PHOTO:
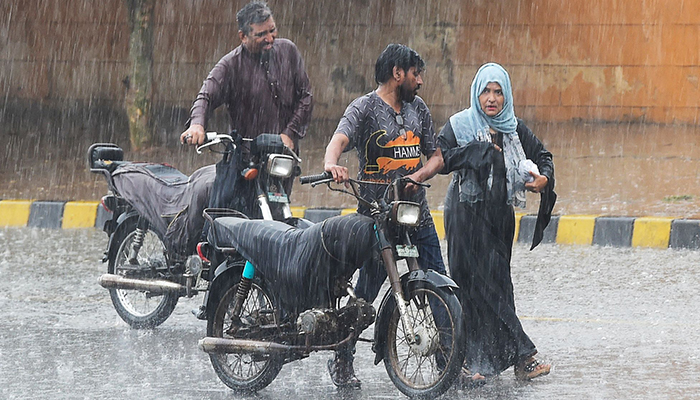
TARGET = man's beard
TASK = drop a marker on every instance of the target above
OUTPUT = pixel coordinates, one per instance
(406, 94)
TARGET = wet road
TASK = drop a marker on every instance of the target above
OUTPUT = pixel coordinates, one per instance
(615, 323)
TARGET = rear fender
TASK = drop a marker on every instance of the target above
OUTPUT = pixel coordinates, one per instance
(122, 222)
(386, 309)
(226, 275)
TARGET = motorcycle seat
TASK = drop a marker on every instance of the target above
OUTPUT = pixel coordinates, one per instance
(302, 264)
(165, 173)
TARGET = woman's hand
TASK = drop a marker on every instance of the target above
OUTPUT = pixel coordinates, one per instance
(538, 184)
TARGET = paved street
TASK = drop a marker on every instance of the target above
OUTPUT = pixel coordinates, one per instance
(615, 323)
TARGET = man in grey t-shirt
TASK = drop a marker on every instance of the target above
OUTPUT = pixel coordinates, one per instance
(390, 128)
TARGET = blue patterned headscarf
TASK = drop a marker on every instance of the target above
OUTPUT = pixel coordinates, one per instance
(473, 124)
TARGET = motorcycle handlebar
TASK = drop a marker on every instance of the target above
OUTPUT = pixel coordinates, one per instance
(315, 178)
(407, 179)
(213, 138)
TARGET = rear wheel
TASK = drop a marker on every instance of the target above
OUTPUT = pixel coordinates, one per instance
(140, 309)
(242, 371)
(427, 365)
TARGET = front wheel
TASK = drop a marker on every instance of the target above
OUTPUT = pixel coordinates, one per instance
(140, 309)
(244, 372)
(424, 364)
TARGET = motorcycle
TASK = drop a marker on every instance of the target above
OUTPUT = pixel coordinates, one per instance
(280, 293)
(156, 220)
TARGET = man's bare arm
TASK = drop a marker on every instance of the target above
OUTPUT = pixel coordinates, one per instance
(334, 149)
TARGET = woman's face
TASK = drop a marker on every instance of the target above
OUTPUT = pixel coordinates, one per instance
(491, 99)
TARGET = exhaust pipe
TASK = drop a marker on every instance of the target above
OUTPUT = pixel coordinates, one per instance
(221, 345)
(111, 281)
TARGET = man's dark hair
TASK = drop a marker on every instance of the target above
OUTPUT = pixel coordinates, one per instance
(255, 12)
(396, 55)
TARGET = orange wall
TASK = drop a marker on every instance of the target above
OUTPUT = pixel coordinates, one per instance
(614, 60)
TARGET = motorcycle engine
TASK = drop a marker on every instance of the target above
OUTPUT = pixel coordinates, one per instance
(316, 323)
(327, 326)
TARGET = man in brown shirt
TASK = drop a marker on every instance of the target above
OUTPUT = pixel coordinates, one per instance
(262, 82)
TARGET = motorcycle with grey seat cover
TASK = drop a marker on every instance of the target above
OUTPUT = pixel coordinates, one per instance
(155, 220)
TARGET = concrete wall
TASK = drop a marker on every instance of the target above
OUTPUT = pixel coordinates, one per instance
(63, 71)
(569, 60)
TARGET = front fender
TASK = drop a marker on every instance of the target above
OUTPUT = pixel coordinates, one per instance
(435, 278)
(388, 305)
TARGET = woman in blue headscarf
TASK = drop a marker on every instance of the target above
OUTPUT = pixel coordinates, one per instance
(494, 159)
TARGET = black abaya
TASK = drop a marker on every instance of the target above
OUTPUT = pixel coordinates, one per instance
(480, 240)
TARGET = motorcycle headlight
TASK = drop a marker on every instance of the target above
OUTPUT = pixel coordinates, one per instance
(280, 166)
(406, 213)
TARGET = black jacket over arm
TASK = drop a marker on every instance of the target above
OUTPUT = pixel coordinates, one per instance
(477, 156)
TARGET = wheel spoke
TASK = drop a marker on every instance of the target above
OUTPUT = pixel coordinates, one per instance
(239, 370)
(419, 363)
(140, 308)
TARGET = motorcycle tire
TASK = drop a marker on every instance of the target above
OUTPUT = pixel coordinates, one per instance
(428, 367)
(139, 309)
(244, 372)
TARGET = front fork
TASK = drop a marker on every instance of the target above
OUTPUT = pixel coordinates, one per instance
(264, 204)
(392, 272)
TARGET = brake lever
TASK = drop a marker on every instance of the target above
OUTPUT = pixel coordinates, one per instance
(407, 179)
(294, 154)
(321, 182)
(210, 143)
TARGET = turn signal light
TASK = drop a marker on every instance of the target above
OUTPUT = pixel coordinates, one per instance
(250, 173)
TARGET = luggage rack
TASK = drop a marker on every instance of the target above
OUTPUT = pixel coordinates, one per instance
(210, 214)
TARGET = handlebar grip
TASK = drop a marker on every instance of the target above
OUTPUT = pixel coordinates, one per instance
(314, 178)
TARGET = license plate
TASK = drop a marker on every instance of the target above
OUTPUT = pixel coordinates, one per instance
(277, 198)
(202, 284)
(407, 251)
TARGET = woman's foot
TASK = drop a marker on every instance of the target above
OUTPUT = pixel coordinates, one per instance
(531, 369)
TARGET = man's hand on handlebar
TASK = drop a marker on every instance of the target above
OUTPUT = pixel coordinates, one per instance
(287, 141)
(194, 135)
(340, 173)
(409, 187)
(412, 183)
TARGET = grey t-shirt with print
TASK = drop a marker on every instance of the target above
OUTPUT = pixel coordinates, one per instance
(385, 148)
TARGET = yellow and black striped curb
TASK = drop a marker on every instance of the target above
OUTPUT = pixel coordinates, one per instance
(656, 232)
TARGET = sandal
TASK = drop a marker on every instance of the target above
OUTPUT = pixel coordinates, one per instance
(468, 380)
(531, 369)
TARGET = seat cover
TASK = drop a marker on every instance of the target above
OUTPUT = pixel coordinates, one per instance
(171, 201)
(302, 265)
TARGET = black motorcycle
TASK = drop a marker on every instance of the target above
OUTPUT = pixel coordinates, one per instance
(156, 220)
(280, 293)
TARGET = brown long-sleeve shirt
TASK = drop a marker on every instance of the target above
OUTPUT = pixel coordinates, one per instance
(264, 94)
